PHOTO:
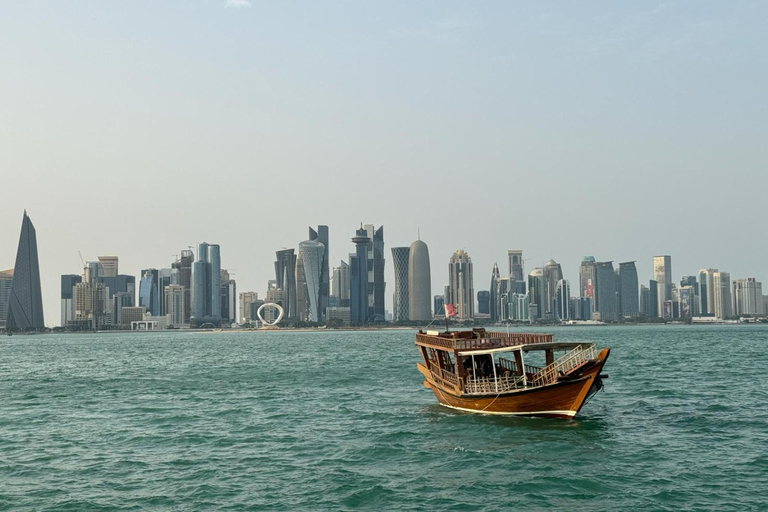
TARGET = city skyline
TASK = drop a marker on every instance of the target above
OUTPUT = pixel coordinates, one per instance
(617, 130)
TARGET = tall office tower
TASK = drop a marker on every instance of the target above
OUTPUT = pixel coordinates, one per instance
(148, 291)
(552, 274)
(494, 299)
(707, 291)
(376, 284)
(340, 285)
(174, 304)
(285, 274)
(321, 235)
(461, 287)
(629, 306)
(419, 283)
(504, 291)
(184, 267)
(6, 281)
(206, 286)
(588, 281)
(516, 265)
(686, 301)
(312, 255)
(246, 298)
(662, 274)
(400, 307)
(25, 304)
(747, 297)
(606, 308)
(645, 301)
(302, 295)
(439, 300)
(119, 301)
(562, 300)
(537, 294)
(68, 282)
(484, 302)
(108, 265)
(653, 299)
(358, 279)
(227, 291)
(722, 289)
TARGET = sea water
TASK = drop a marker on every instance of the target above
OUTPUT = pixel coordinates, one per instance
(339, 420)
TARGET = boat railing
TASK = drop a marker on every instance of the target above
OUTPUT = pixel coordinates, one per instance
(573, 358)
(508, 364)
(501, 383)
(487, 340)
(447, 377)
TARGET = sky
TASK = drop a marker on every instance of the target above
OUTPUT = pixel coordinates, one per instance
(620, 130)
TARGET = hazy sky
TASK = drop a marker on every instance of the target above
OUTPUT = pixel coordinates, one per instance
(615, 129)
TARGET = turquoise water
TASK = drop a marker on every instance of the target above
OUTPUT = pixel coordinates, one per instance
(340, 421)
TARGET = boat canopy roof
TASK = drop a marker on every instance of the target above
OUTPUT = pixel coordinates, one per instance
(555, 345)
(480, 339)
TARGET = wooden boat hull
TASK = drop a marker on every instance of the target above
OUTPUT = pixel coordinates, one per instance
(559, 400)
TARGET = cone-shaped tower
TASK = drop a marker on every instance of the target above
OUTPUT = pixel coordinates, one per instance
(25, 306)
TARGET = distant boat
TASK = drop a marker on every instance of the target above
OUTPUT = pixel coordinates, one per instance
(468, 371)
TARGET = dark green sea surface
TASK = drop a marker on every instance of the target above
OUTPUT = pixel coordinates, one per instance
(340, 421)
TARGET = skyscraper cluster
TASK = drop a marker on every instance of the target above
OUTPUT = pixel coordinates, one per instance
(412, 301)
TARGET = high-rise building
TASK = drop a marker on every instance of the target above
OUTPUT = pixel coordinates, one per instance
(461, 287)
(588, 281)
(747, 297)
(629, 306)
(25, 303)
(340, 285)
(184, 267)
(149, 290)
(706, 292)
(537, 294)
(6, 282)
(400, 307)
(419, 283)
(358, 279)
(662, 274)
(686, 300)
(302, 295)
(246, 298)
(562, 300)
(493, 306)
(376, 284)
(174, 304)
(206, 286)
(438, 301)
(484, 302)
(515, 258)
(552, 273)
(109, 265)
(606, 308)
(321, 235)
(722, 292)
(285, 274)
(312, 254)
(68, 282)
(228, 299)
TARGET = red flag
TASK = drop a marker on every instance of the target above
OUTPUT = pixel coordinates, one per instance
(450, 310)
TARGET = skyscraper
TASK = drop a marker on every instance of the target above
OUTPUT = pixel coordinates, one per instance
(419, 283)
(516, 264)
(400, 309)
(25, 303)
(537, 294)
(358, 279)
(285, 274)
(493, 306)
(606, 307)
(6, 281)
(206, 286)
(461, 287)
(109, 265)
(246, 298)
(662, 274)
(149, 291)
(747, 297)
(722, 292)
(562, 300)
(629, 306)
(552, 274)
(312, 255)
(376, 284)
(588, 281)
(184, 267)
(706, 292)
(340, 285)
(321, 235)
(484, 302)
